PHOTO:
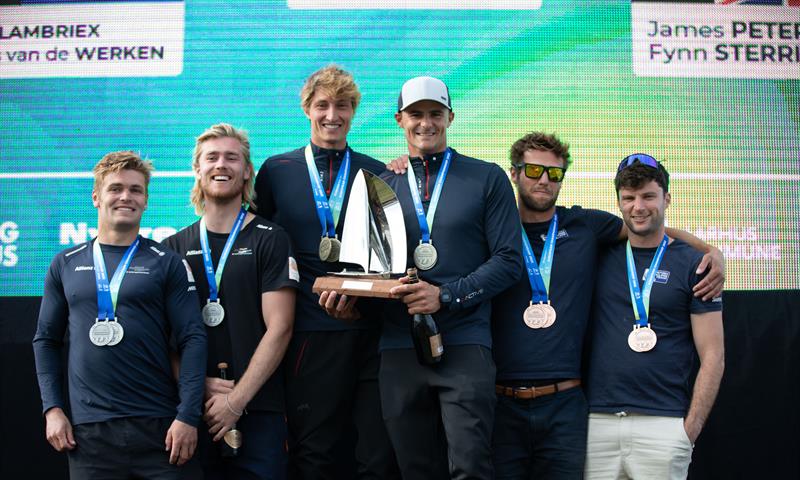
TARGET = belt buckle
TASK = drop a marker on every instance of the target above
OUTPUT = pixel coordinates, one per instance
(517, 392)
(520, 391)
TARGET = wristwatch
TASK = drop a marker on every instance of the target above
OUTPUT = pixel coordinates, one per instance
(445, 297)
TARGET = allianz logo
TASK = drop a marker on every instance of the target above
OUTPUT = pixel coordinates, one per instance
(70, 233)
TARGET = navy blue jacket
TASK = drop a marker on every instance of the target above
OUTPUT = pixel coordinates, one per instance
(157, 305)
(477, 235)
(284, 196)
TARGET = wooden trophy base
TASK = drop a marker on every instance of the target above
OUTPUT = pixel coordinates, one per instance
(356, 286)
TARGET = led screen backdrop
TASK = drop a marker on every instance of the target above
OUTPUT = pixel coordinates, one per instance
(713, 90)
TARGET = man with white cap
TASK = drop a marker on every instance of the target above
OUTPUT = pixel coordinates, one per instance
(463, 237)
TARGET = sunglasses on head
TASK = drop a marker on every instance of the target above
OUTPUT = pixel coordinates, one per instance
(642, 158)
(535, 171)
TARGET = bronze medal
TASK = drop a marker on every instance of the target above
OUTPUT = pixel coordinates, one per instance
(425, 256)
(535, 315)
(551, 315)
(642, 339)
(213, 313)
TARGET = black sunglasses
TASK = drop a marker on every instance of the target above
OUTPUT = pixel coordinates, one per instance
(535, 171)
(642, 158)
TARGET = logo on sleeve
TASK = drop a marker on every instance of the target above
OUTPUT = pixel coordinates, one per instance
(294, 273)
(263, 227)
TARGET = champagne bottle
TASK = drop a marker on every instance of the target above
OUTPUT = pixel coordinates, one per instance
(232, 440)
(425, 333)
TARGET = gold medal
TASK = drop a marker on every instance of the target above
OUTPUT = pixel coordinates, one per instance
(642, 339)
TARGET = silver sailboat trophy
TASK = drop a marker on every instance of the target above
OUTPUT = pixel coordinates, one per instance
(373, 238)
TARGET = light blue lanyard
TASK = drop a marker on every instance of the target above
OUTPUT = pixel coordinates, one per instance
(215, 278)
(426, 221)
(641, 298)
(328, 212)
(107, 293)
(539, 277)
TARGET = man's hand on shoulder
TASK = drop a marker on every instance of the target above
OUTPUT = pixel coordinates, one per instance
(180, 442)
(398, 165)
(711, 285)
(58, 430)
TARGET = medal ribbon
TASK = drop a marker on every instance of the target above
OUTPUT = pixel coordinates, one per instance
(426, 221)
(641, 298)
(107, 293)
(328, 212)
(539, 276)
(215, 278)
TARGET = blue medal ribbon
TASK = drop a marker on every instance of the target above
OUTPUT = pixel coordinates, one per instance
(215, 278)
(641, 298)
(426, 221)
(328, 212)
(539, 276)
(107, 293)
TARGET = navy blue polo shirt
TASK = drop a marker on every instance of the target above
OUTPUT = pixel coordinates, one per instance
(284, 196)
(656, 382)
(157, 304)
(476, 233)
(523, 353)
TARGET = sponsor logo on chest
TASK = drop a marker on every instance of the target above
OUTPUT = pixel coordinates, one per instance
(662, 276)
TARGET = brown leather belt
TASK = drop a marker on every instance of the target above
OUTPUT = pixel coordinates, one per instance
(529, 393)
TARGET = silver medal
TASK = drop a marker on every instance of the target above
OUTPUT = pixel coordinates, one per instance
(101, 333)
(325, 247)
(213, 313)
(425, 256)
(118, 331)
(642, 339)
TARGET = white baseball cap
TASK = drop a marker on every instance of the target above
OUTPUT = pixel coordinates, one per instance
(423, 88)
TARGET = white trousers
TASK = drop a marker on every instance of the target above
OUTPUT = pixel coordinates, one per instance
(637, 446)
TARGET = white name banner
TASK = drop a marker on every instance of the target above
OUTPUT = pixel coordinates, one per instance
(93, 39)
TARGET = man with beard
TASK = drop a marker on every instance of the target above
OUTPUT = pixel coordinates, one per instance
(246, 280)
(538, 325)
(648, 334)
(332, 365)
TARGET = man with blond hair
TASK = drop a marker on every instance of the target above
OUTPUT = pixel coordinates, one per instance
(332, 366)
(248, 311)
(126, 407)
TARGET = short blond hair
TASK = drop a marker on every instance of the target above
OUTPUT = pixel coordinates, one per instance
(332, 80)
(222, 130)
(115, 162)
